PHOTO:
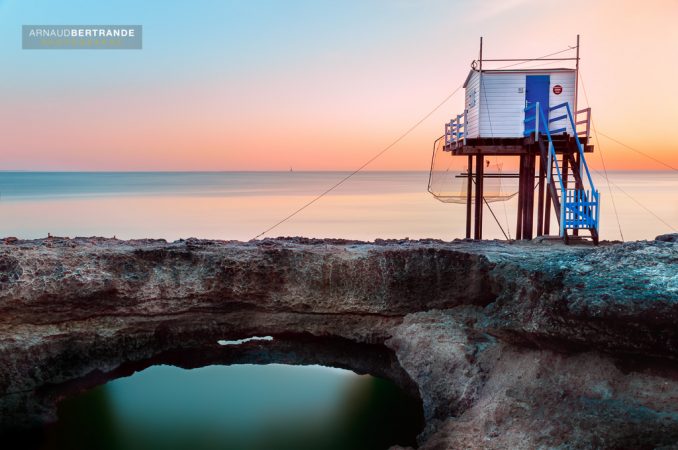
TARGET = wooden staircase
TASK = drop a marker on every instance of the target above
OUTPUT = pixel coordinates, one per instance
(568, 180)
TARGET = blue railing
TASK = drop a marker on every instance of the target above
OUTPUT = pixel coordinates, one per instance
(453, 131)
(579, 208)
(579, 204)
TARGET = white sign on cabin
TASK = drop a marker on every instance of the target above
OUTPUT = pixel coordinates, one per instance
(495, 101)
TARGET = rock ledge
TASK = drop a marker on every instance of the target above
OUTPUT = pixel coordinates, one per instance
(508, 345)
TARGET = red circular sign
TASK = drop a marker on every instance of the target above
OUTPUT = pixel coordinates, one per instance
(557, 89)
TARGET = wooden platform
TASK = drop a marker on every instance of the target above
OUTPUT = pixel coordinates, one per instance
(511, 146)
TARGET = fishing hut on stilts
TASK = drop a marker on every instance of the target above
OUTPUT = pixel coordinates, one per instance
(520, 135)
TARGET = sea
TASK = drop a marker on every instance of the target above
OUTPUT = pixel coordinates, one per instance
(242, 205)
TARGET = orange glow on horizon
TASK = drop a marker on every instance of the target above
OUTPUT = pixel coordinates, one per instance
(336, 111)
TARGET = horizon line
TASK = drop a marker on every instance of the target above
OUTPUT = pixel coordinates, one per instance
(265, 171)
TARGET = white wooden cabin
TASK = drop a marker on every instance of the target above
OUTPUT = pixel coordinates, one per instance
(496, 99)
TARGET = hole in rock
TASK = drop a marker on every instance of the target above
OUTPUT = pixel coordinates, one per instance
(243, 406)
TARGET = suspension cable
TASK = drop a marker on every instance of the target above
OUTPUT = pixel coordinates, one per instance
(656, 216)
(537, 59)
(641, 205)
(639, 152)
(433, 155)
(495, 219)
(369, 161)
(496, 161)
(600, 152)
(492, 212)
(385, 149)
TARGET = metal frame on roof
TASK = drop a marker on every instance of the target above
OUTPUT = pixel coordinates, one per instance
(521, 60)
(541, 70)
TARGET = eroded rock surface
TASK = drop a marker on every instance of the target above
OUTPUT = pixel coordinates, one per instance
(523, 345)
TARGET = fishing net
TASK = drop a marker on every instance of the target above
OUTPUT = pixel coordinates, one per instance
(448, 179)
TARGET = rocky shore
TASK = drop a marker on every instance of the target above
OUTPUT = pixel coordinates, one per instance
(508, 345)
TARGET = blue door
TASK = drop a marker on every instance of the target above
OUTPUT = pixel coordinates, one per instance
(537, 90)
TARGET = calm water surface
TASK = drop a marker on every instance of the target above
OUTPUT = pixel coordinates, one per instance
(240, 407)
(239, 205)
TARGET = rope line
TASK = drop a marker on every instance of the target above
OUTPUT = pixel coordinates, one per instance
(496, 220)
(343, 180)
(641, 205)
(639, 152)
(535, 59)
(655, 215)
(491, 131)
(536, 66)
(387, 148)
(496, 161)
(600, 152)
(508, 226)
(433, 155)
(492, 212)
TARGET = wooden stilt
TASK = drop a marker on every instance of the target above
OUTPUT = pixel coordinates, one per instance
(547, 200)
(547, 213)
(528, 220)
(469, 190)
(521, 193)
(540, 199)
(565, 169)
(480, 161)
(525, 195)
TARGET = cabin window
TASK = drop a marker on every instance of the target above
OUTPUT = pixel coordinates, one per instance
(471, 98)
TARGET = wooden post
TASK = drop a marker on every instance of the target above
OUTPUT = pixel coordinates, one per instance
(565, 169)
(577, 185)
(478, 229)
(480, 160)
(481, 56)
(540, 199)
(574, 112)
(547, 212)
(528, 221)
(469, 190)
(576, 84)
(521, 193)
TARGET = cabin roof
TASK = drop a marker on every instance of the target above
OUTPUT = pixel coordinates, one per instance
(545, 70)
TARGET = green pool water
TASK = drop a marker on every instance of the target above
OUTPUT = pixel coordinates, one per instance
(245, 407)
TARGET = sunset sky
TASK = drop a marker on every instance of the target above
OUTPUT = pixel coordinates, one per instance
(269, 85)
